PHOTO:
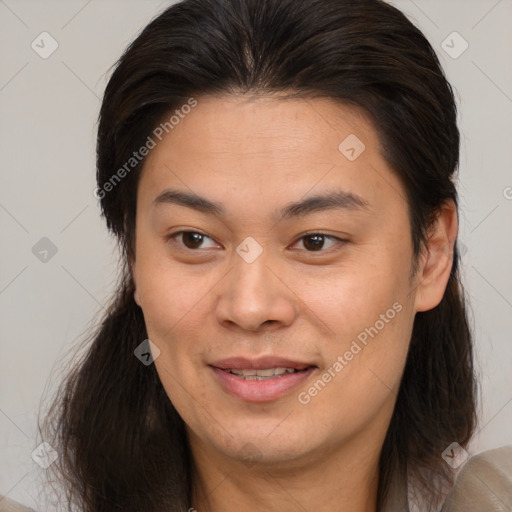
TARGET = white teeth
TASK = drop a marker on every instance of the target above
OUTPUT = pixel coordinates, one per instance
(267, 373)
(243, 373)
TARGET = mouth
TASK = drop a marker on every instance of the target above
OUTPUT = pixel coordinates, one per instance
(260, 380)
(265, 374)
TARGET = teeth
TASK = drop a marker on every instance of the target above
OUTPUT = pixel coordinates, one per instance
(267, 373)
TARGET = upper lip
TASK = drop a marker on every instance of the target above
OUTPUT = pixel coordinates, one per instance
(261, 363)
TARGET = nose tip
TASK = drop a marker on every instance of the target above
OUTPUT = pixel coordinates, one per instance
(251, 296)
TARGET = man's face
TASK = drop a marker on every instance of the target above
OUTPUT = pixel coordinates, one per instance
(319, 295)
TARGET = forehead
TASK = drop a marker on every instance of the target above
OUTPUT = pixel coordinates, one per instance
(263, 127)
(264, 148)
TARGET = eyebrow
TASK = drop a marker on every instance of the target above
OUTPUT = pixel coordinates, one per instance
(329, 201)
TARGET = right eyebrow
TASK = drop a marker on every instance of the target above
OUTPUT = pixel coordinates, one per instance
(189, 200)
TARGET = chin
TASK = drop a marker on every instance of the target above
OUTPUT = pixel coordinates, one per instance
(265, 445)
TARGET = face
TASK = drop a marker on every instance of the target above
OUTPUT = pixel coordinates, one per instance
(273, 266)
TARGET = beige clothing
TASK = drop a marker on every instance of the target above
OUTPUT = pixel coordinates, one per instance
(8, 505)
(484, 484)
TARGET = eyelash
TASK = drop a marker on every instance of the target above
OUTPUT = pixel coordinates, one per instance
(172, 238)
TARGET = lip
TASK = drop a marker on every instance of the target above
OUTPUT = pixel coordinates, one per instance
(260, 390)
(243, 363)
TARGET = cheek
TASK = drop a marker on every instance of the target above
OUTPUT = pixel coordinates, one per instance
(170, 303)
(168, 293)
(351, 299)
(369, 313)
(176, 306)
(363, 369)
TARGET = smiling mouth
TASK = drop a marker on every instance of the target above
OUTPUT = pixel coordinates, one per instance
(270, 380)
(264, 374)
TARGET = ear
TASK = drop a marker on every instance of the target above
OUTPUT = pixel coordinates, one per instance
(133, 273)
(435, 263)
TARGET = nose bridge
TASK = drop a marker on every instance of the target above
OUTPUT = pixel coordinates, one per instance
(251, 294)
(251, 275)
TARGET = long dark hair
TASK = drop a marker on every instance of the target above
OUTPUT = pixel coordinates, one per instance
(121, 443)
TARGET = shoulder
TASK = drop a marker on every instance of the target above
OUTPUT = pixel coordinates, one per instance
(483, 483)
(8, 505)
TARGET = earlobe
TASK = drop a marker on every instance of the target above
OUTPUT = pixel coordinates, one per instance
(135, 292)
(436, 263)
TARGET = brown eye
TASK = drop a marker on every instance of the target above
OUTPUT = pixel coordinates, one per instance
(317, 241)
(191, 240)
(314, 242)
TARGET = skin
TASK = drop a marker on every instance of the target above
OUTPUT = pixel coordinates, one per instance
(253, 156)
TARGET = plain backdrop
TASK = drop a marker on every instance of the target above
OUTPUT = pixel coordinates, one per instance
(48, 114)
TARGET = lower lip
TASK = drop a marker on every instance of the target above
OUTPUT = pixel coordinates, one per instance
(261, 390)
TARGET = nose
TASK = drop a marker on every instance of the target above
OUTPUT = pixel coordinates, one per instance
(255, 296)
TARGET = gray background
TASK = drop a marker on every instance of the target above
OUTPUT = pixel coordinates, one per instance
(48, 118)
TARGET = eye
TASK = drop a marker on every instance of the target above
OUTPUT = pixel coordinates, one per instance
(316, 242)
(312, 242)
(190, 239)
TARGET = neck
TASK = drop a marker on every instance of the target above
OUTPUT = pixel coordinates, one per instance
(341, 480)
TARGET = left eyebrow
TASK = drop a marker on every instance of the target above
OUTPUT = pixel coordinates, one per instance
(331, 200)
